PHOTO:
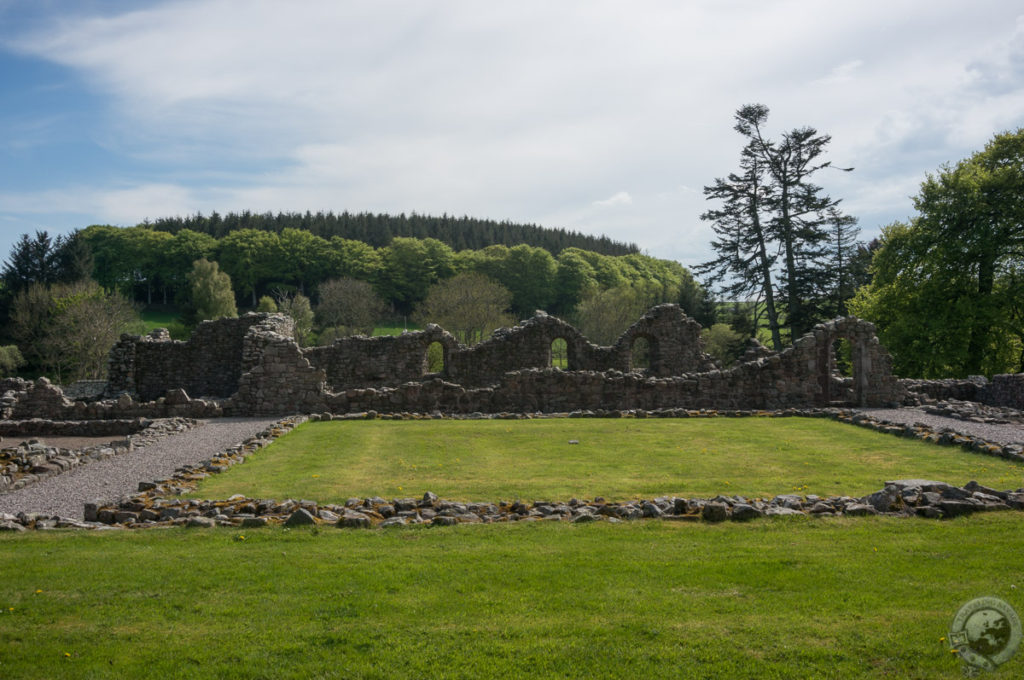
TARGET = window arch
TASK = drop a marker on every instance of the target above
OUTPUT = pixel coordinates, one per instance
(433, 361)
(640, 354)
(559, 354)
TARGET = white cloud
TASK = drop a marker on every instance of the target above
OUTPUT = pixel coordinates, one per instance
(527, 110)
(617, 199)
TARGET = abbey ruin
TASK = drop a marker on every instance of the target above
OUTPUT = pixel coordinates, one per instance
(251, 365)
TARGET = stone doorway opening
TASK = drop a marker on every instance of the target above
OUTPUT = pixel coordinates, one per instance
(434, 360)
(560, 354)
(640, 354)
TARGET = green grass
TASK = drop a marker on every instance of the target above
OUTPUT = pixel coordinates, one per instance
(158, 317)
(394, 329)
(493, 460)
(783, 598)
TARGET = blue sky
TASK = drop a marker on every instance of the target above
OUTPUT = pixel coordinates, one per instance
(604, 117)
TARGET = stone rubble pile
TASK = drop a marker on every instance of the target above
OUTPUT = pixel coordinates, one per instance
(907, 497)
(33, 461)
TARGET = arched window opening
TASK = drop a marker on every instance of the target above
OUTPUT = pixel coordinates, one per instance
(559, 354)
(640, 355)
(434, 360)
(842, 358)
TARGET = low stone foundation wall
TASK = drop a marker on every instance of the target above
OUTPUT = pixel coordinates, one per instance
(962, 390)
(72, 428)
(1006, 389)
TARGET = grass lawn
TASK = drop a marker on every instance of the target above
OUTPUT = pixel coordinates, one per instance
(394, 329)
(782, 598)
(491, 460)
(158, 317)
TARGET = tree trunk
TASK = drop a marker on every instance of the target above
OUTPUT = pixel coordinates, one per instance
(982, 327)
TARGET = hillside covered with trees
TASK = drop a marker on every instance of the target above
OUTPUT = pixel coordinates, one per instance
(330, 286)
(459, 233)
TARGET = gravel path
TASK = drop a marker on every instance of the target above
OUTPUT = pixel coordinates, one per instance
(998, 434)
(66, 494)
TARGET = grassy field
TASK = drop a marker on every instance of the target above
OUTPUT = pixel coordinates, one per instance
(158, 317)
(775, 598)
(493, 460)
(782, 598)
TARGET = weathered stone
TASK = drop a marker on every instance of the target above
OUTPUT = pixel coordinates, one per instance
(200, 522)
(776, 511)
(300, 518)
(742, 512)
(860, 510)
(955, 508)
(885, 500)
(354, 520)
(715, 512)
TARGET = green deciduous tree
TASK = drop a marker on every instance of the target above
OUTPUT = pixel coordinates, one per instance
(468, 305)
(297, 307)
(348, 307)
(410, 267)
(10, 360)
(68, 329)
(947, 287)
(603, 315)
(211, 294)
(266, 304)
(249, 257)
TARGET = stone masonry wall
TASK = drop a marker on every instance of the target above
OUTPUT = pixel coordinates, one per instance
(208, 364)
(361, 361)
(271, 375)
(1006, 389)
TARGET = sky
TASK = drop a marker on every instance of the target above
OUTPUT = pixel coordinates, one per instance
(600, 117)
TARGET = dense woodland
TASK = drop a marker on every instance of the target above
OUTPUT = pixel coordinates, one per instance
(459, 233)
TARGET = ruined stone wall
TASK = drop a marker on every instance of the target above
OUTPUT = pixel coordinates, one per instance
(1006, 389)
(268, 374)
(788, 379)
(388, 361)
(964, 390)
(361, 361)
(674, 339)
(208, 364)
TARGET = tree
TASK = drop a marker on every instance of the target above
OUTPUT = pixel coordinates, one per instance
(348, 307)
(10, 360)
(947, 286)
(88, 322)
(68, 329)
(186, 247)
(305, 260)
(529, 273)
(574, 279)
(773, 214)
(211, 294)
(410, 267)
(298, 308)
(724, 343)
(468, 305)
(746, 259)
(249, 257)
(603, 316)
(266, 304)
(31, 261)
